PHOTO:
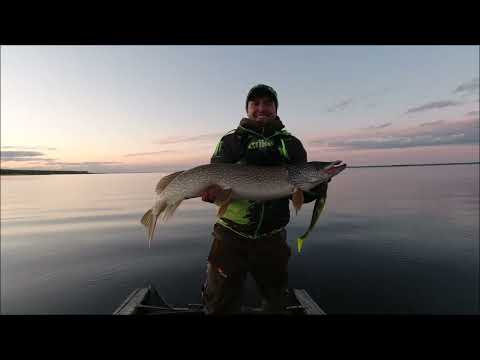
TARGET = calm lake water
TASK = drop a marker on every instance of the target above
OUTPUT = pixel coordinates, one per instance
(390, 241)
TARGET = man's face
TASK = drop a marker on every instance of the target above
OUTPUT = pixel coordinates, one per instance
(261, 109)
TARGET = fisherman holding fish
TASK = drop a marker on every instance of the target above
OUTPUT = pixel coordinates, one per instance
(251, 235)
(254, 172)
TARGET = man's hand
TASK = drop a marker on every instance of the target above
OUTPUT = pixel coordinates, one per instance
(210, 193)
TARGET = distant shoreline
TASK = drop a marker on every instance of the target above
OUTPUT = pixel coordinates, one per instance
(405, 165)
(55, 172)
(40, 172)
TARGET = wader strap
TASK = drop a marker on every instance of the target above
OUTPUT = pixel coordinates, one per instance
(224, 224)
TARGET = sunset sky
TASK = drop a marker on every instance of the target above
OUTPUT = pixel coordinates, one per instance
(162, 108)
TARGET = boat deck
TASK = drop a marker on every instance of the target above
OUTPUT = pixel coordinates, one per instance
(147, 301)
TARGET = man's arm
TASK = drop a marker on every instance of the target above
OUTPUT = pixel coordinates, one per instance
(223, 151)
(222, 154)
(298, 155)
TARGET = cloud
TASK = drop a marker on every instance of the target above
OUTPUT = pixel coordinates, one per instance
(433, 105)
(30, 159)
(340, 106)
(383, 126)
(12, 155)
(360, 98)
(435, 134)
(472, 113)
(198, 138)
(29, 147)
(150, 153)
(470, 87)
(432, 123)
(396, 142)
(24, 155)
(87, 163)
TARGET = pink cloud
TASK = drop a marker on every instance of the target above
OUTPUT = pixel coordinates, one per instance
(435, 133)
(432, 142)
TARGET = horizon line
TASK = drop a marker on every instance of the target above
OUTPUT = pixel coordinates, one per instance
(152, 172)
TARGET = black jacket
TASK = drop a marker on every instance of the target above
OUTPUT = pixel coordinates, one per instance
(265, 145)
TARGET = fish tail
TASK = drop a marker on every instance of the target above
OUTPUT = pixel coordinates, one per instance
(146, 218)
(151, 229)
(149, 220)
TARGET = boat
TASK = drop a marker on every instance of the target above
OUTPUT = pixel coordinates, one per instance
(147, 301)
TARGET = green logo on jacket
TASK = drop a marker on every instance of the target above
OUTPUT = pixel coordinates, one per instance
(260, 144)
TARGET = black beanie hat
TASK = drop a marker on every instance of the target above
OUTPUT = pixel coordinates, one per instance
(262, 90)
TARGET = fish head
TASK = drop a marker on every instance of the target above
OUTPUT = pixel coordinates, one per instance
(330, 168)
(308, 175)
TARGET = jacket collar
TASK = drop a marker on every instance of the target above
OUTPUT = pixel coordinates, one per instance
(265, 130)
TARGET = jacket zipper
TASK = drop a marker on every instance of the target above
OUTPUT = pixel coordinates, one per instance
(261, 135)
(260, 220)
(263, 204)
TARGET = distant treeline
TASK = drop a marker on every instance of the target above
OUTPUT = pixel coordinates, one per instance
(375, 166)
(39, 172)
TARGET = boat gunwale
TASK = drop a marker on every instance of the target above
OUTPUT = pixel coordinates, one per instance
(139, 303)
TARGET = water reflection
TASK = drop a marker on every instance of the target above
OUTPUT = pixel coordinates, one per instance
(401, 240)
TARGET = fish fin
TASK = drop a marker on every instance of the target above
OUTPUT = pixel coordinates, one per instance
(297, 199)
(302, 185)
(300, 244)
(170, 209)
(317, 210)
(164, 181)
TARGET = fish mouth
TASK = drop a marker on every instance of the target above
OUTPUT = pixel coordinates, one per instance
(333, 169)
(334, 163)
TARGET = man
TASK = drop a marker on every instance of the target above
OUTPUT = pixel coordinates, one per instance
(251, 235)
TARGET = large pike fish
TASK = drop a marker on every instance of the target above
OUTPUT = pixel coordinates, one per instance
(245, 182)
